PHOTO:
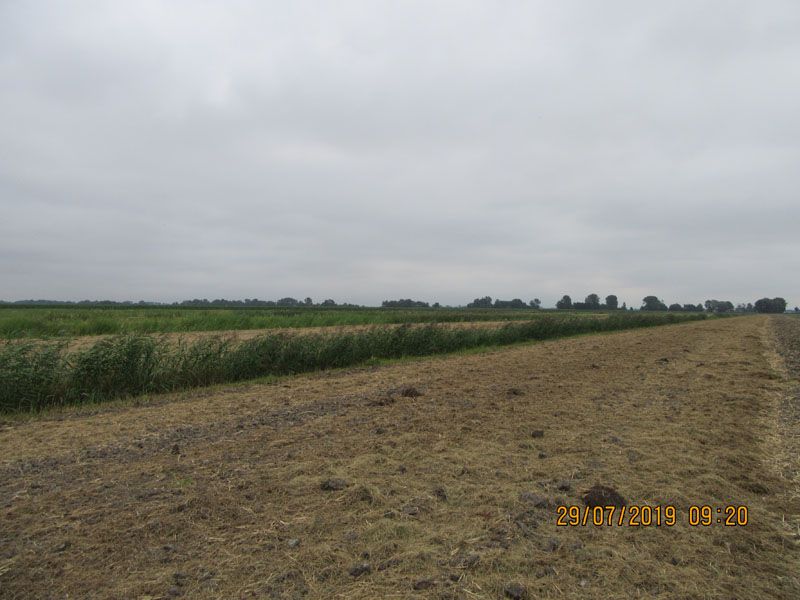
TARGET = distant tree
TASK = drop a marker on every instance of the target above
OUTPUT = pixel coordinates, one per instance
(612, 303)
(797, 309)
(436, 305)
(653, 303)
(675, 307)
(624, 306)
(329, 302)
(719, 306)
(565, 302)
(308, 302)
(195, 302)
(750, 307)
(224, 302)
(774, 305)
(580, 306)
(288, 302)
(592, 301)
(404, 303)
(535, 303)
(485, 302)
(515, 303)
(693, 308)
(763, 305)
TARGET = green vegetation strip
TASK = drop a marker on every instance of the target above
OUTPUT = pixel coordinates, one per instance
(17, 323)
(35, 375)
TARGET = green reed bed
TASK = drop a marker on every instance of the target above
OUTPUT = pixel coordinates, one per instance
(37, 322)
(35, 375)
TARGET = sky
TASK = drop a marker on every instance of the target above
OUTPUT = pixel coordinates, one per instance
(370, 150)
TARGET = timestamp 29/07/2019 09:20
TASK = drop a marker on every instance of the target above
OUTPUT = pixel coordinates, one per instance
(644, 515)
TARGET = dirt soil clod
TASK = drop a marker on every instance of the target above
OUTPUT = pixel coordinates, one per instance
(602, 495)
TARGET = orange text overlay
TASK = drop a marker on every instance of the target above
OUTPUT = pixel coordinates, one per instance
(651, 516)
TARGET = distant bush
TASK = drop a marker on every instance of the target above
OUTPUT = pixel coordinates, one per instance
(775, 305)
(404, 303)
(719, 306)
(652, 303)
(288, 302)
(515, 303)
(34, 375)
(564, 303)
(485, 302)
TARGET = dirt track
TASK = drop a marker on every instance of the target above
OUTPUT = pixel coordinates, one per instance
(219, 493)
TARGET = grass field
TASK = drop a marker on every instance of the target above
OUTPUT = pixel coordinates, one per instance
(70, 322)
(426, 478)
(37, 374)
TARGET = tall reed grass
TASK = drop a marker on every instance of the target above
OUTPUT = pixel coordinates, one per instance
(35, 375)
(36, 322)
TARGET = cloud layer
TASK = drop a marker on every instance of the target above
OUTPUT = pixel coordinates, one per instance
(372, 150)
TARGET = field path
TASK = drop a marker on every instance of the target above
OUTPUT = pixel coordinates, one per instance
(337, 485)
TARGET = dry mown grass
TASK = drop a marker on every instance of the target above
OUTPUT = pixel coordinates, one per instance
(248, 334)
(350, 485)
(784, 337)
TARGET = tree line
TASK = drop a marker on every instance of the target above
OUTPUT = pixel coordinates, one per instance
(591, 302)
(653, 303)
(764, 305)
(256, 303)
(486, 302)
(194, 303)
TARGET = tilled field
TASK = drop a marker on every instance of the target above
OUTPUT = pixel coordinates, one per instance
(434, 478)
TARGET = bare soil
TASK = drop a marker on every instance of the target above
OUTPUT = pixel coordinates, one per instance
(347, 484)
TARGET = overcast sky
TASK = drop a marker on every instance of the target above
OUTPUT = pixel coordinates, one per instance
(371, 150)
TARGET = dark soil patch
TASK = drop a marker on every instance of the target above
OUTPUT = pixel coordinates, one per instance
(515, 591)
(332, 485)
(603, 495)
(408, 391)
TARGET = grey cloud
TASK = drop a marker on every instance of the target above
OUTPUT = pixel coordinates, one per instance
(367, 150)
